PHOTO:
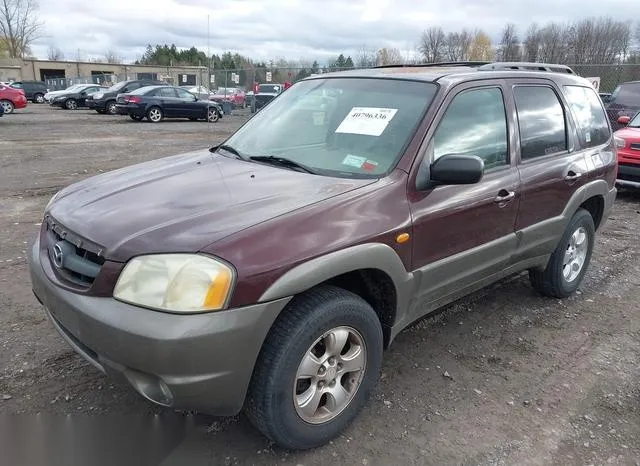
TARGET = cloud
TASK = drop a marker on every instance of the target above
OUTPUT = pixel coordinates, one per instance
(265, 29)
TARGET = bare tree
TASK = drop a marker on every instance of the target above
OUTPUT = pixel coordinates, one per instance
(111, 56)
(365, 57)
(553, 43)
(510, 44)
(432, 44)
(532, 44)
(389, 56)
(20, 25)
(54, 53)
(599, 41)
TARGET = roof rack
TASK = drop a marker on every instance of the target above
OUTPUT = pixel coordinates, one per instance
(526, 66)
(445, 63)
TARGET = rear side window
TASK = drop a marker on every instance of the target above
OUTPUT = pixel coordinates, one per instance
(541, 120)
(593, 128)
(475, 123)
(164, 92)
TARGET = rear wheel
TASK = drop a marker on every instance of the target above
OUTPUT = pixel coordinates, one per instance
(111, 107)
(568, 263)
(155, 115)
(7, 105)
(318, 365)
(71, 104)
(38, 99)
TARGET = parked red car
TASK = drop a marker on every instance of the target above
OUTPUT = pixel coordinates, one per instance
(11, 98)
(628, 144)
(237, 97)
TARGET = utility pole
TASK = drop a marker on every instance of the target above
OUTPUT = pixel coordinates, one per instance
(208, 55)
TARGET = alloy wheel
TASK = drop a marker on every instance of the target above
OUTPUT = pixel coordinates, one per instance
(575, 254)
(329, 375)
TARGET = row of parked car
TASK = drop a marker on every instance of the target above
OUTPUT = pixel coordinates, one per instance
(151, 99)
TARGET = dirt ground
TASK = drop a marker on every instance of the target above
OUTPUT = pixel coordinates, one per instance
(529, 380)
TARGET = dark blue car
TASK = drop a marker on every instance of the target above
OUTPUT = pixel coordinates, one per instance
(159, 102)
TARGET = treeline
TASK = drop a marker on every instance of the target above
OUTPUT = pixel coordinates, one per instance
(225, 65)
(601, 41)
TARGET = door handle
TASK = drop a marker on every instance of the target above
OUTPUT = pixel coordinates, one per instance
(504, 196)
(572, 176)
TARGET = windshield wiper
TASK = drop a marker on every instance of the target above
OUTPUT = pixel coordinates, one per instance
(231, 150)
(284, 162)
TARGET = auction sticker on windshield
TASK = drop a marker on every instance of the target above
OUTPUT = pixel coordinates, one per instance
(367, 121)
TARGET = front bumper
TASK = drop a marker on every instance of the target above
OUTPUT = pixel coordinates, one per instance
(628, 175)
(202, 362)
(96, 104)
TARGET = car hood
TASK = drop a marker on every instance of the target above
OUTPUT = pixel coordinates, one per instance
(628, 133)
(184, 203)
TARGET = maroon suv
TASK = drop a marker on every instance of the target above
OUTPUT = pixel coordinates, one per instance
(270, 272)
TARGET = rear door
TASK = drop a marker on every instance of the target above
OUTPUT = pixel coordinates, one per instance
(167, 99)
(551, 165)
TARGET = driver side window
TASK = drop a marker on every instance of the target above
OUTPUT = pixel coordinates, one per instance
(474, 124)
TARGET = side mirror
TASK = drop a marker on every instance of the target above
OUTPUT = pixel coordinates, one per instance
(451, 169)
(624, 120)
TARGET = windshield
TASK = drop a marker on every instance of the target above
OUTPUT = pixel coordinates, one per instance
(270, 88)
(635, 121)
(338, 126)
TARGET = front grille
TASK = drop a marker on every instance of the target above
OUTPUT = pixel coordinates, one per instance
(635, 146)
(76, 259)
(263, 99)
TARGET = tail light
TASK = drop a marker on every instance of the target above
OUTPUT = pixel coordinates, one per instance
(132, 99)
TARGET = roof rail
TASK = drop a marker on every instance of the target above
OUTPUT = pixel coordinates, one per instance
(526, 66)
(427, 65)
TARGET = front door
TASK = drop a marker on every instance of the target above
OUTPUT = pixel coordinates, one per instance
(188, 107)
(465, 234)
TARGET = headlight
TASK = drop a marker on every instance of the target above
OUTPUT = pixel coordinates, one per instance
(620, 143)
(175, 282)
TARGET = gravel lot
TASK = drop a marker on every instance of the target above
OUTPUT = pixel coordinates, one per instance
(502, 377)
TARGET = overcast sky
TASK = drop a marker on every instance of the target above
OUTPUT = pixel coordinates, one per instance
(292, 29)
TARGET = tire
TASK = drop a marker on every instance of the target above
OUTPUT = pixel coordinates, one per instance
(111, 108)
(38, 98)
(570, 260)
(71, 104)
(8, 106)
(155, 115)
(212, 115)
(271, 401)
(136, 117)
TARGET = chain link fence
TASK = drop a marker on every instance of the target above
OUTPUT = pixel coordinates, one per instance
(604, 77)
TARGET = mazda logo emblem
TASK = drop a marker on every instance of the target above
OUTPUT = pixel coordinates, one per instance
(58, 256)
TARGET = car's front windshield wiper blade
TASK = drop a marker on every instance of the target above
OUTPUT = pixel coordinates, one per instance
(230, 149)
(283, 161)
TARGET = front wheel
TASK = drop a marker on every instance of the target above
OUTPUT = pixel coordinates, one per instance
(38, 99)
(212, 115)
(317, 367)
(568, 263)
(7, 105)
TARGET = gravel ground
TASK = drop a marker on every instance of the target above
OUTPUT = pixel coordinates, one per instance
(501, 377)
